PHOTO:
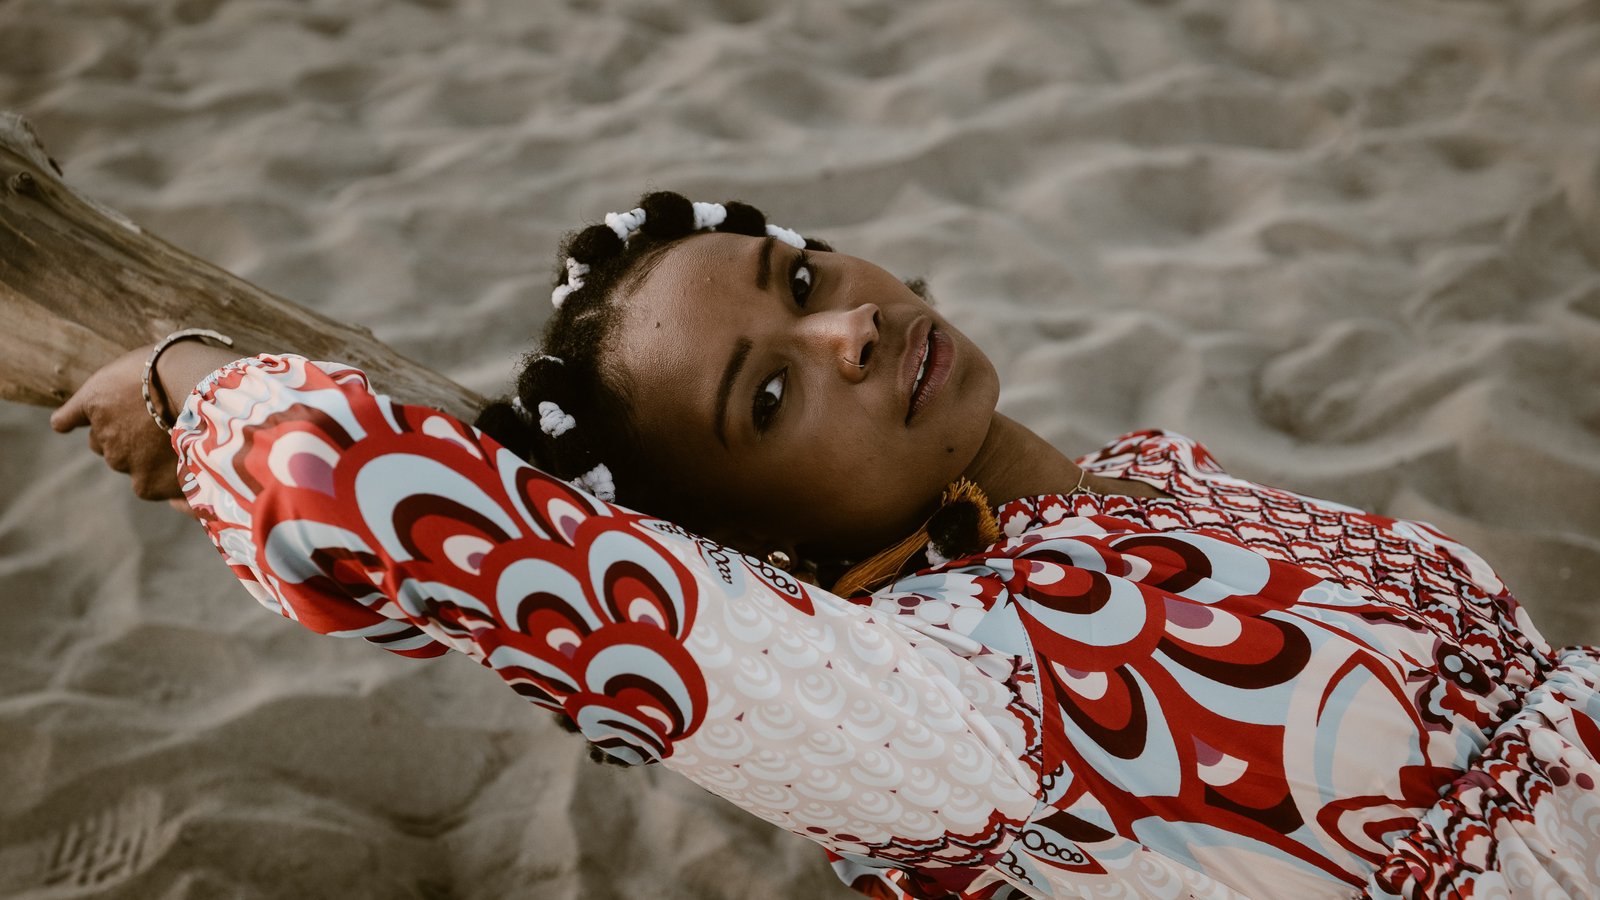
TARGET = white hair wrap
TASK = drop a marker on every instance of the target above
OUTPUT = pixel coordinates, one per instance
(625, 223)
(553, 421)
(575, 272)
(709, 215)
(597, 481)
(792, 238)
(516, 404)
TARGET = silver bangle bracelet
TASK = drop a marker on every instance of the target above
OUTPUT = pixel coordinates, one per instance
(150, 365)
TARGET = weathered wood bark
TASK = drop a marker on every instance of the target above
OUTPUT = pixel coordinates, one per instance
(80, 284)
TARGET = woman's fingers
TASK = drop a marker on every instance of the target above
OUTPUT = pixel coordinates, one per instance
(120, 430)
(71, 414)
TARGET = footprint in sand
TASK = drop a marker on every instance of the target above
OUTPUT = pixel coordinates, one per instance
(92, 854)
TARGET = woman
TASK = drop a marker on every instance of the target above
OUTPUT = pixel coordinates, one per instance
(1137, 675)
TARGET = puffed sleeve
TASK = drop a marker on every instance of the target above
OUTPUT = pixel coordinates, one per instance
(359, 516)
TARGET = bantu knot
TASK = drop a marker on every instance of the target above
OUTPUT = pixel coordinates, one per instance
(667, 215)
(543, 378)
(501, 421)
(595, 243)
(744, 219)
(819, 246)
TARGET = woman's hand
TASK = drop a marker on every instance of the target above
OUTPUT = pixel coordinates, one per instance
(120, 428)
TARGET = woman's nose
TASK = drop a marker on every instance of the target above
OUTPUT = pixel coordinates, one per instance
(847, 338)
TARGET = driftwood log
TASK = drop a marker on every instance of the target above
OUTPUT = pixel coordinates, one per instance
(80, 284)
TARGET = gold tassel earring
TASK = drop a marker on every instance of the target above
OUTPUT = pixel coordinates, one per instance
(963, 525)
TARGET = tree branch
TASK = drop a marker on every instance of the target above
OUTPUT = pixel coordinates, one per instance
(81, 284)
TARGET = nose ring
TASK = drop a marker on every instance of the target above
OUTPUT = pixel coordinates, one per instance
(856, 364)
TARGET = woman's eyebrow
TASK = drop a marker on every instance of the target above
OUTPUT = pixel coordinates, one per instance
(764, 266)
(741, 352)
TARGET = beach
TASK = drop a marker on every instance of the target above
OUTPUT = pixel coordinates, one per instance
(1352, 248)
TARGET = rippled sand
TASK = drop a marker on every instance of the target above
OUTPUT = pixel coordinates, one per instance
(1353, 247)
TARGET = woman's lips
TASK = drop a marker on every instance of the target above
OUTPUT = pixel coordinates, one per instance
(934, 360)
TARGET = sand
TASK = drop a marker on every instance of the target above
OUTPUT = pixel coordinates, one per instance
(1351, 246)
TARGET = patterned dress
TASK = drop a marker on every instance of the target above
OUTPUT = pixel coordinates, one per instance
(1233, 691)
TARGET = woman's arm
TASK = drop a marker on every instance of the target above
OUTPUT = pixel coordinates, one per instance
(359, 516)
(109, 403)
(183, 364)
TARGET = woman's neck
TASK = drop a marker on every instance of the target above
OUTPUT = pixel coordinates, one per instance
(1014, 462)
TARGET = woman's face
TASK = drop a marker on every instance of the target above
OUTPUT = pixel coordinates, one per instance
(808, 399)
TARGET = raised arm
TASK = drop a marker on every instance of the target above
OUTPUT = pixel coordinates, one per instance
(358, 516)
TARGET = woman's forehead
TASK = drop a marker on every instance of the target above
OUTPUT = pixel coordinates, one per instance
(694, 284)
(698, 256)
(684, 320)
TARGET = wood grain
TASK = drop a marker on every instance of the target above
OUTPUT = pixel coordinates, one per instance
(80, 284)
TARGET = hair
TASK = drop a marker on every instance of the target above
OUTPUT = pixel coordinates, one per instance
(573, 370)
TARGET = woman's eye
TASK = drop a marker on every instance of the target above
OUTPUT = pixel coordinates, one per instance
(800, 279)
(768, 399)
